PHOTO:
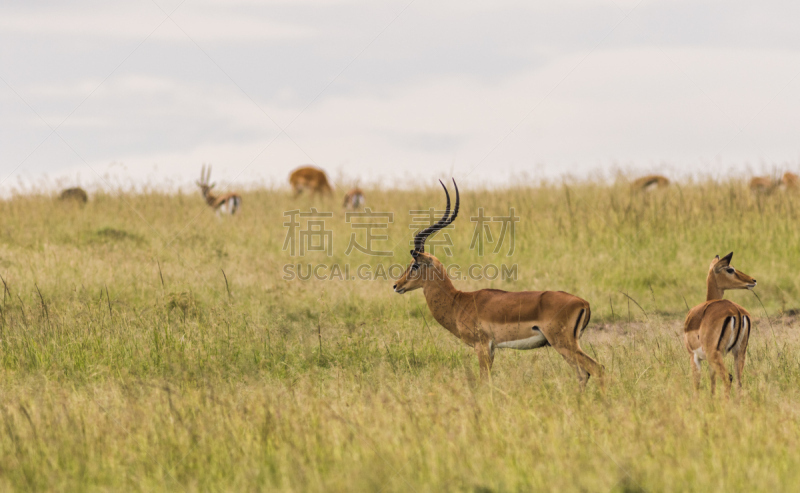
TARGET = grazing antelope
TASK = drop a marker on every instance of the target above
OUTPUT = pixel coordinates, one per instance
(227, 203)
(490, 318)
(76, 194)
(309, 178)
(790, 181)
(650, 182)
(763, 185)
(354, 199)
(717, 327)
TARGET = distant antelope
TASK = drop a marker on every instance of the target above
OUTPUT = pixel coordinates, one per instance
(227, 203)
(649, 182)
(309, 178)
(490, 318)
(790, 181)
(354, 199)
(717, 327)
(76, 194)
(763, 185)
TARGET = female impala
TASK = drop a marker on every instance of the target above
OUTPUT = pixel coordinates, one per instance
(309, 178)
(228, 203)
(790, 181)
(763, 185)
(717, 327)
(490, 318)
(354, 199)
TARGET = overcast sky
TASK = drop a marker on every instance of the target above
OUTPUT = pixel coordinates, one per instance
(395, 92)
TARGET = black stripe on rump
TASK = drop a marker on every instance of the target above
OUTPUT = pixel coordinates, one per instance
(722, 332)
(742, 334)
(738, 333)
(578, 322)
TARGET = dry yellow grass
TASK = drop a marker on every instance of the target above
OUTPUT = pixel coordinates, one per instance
(114, 379)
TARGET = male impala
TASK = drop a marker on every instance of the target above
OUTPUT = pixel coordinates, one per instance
(309, 178)
(649, 182)
(354, 199)
(490, 318)
(717, 327)
(227, 203)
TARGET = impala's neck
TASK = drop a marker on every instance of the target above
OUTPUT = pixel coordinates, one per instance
(210, 197)
(713, 292)
(441, 297)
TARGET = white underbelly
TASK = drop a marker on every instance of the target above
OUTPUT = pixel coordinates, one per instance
(533, 342)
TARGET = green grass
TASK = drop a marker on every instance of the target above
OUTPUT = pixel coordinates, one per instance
(147, 345)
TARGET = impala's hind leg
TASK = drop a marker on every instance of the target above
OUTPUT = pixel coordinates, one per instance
(571, 357)
(717, 364)
(590, 366)
(739, 364)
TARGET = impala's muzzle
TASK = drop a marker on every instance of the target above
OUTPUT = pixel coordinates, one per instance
(398, 290)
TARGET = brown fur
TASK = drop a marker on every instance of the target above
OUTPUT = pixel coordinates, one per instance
(353, 199)
(763, 185)
(649, 182)
(77, 194)
(231, 201)
(491, 318)
(791, 181)
(310, 178)
(716, 327)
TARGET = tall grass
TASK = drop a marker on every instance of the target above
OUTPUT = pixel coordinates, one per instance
(147, 345)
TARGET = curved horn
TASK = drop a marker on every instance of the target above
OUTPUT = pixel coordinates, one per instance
(455, 210)
(419, 239)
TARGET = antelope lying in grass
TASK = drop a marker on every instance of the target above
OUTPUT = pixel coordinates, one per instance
(490, 318)
(76, 194)
(227, 203)
(354, 199)
(649, 182)
(309, 178)
(717, 327)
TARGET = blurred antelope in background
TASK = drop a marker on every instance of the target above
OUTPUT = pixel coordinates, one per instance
(650, 182)
(76, 194)
(717, 327)
(227, 203)
(354, 199)
(492, 319)
(763, 185)
(790, 181)
(309, 178)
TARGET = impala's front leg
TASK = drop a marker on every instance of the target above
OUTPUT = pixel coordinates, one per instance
(485, 352)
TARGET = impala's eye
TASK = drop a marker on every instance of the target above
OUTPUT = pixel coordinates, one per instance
(730, 270)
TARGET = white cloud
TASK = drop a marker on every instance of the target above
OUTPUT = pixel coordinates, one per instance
(122, 21)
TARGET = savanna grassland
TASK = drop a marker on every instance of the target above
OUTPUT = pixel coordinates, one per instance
(146, 345)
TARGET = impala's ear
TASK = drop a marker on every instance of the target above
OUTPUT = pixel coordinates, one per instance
(716, 257)
(726, 260)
